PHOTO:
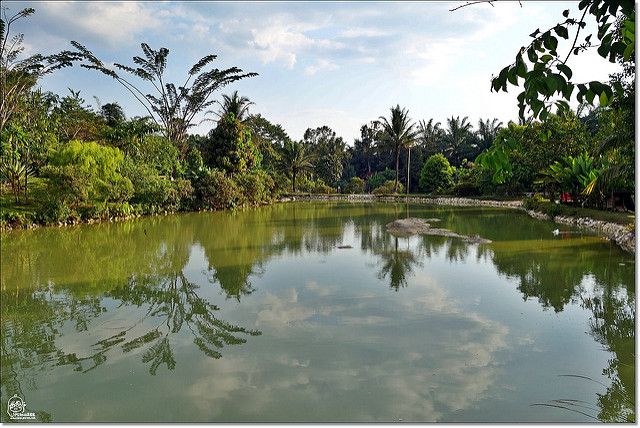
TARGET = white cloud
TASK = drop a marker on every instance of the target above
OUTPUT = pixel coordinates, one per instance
(321, 65)
(113, 24)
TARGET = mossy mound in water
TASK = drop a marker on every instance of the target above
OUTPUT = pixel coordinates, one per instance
(419, 226)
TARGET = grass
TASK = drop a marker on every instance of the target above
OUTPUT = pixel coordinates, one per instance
(8, 205)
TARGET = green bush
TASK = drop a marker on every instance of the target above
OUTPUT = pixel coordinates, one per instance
(532, 203)
(387, 188)
(379, 178)
(281, 184)
(66, 184)
(96, 168)
(256, 187)
(15, 219)
(53, 211)
(436, 174)
(356, 185)
(217, 191)
(466, 189)
(314, 186)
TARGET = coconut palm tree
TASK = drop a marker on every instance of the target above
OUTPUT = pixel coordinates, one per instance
(397, 132)
(430, 136)
(487, 132)
(235, 104)
(294, 159)
(457, 137)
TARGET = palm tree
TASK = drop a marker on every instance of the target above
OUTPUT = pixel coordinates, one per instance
(235, 104)
(430, 135)
(487, 132)
(294, 159)
(397, 133)
(457, 136)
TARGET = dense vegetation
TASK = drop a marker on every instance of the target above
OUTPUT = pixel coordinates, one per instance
(62, 161)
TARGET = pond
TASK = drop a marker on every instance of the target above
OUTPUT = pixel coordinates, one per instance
(313, 312)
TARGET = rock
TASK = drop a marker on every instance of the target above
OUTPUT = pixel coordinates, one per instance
(415, 226)
(409, 226)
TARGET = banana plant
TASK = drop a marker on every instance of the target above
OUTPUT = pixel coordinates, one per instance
(576, 175)
(12, 169)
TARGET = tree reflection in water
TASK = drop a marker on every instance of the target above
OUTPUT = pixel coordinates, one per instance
(397, 264)
(236, 246)
(31, 341)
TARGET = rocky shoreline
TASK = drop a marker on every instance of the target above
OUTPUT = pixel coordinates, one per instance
(616, 232)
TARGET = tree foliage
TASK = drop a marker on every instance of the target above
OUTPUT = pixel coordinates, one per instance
(295, 158)
(329, 153)
(545, 74)
(18, 76)
(173, 107)
(230, 148)
(437, 174)
(397, 132)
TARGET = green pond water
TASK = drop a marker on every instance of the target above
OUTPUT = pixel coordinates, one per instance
(258, 315)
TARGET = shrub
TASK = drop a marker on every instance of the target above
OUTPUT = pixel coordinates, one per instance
(532, 203)
(65, 183)
(256, 187)
(317, 187)
(281, 184)
(379, 178)
(96, 167)
(356, 185)
(52, 211)
(387, 188)
(15, 219)
(217, 191)
(436, 174)
(466, 189)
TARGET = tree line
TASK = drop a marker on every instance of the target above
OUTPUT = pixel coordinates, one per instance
(61, 160)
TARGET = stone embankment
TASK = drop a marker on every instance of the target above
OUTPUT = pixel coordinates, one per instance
(616, 232)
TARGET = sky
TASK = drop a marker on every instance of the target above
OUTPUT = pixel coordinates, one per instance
(339, 64)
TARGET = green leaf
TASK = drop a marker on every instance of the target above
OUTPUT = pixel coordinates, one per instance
(568, 90)
(590, 96)
(543, 115)
(552, 84)
(562, 31)
(604, 100)
(533, 56)
(546, 58)
(566, 70)
(565, 13)
(596, 87)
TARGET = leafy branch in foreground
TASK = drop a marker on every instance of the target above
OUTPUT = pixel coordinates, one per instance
(546, 75)
(173, 108)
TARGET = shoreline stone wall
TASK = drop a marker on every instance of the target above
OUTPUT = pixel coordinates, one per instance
(616, 232)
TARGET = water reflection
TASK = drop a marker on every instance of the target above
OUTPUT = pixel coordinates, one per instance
(174, 301)
(58, 285)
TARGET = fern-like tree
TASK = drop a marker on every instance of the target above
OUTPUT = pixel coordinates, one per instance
(18, 76)
(172, 107)
(397, 132)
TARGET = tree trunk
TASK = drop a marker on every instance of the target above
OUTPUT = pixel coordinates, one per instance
(395, 186)
(408, 169)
